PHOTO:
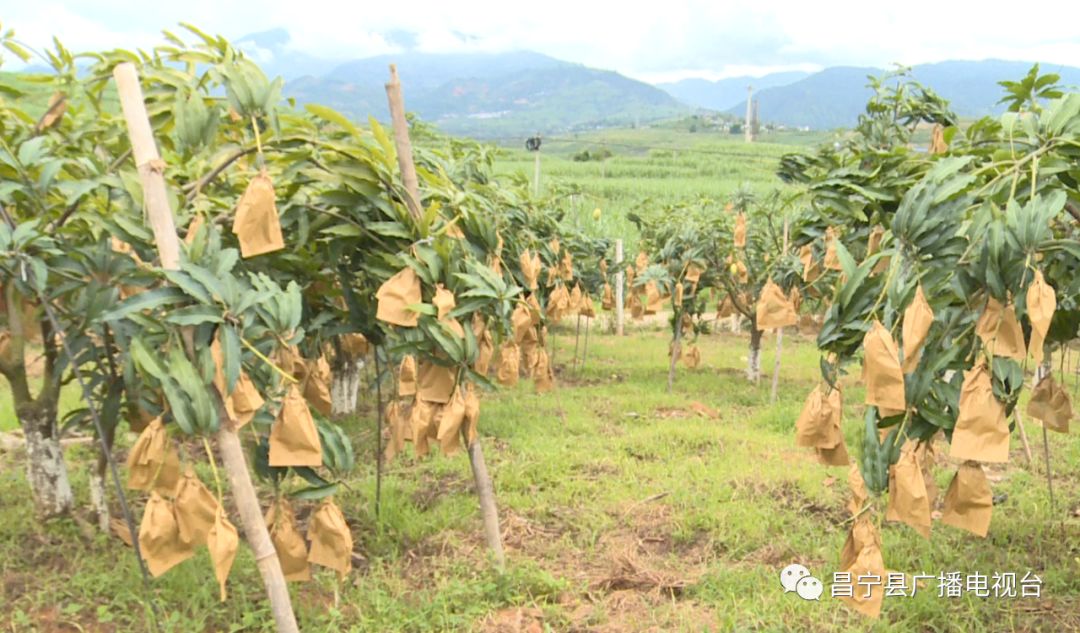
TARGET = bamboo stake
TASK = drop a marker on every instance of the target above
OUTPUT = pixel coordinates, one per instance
(1041, 371)
(403, 144)
(577, 341)
(156, 202)
(484, 488)
(619, 292)
(585, 353)
(1023, 436)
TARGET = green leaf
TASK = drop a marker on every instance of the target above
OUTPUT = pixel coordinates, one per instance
(148, 300)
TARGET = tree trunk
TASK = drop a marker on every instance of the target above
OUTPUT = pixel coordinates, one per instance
(99, 498)
(45, 468)
(753, 364)
(345, 388)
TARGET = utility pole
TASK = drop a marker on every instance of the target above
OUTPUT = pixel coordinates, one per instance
(755, 122)
(748, 135)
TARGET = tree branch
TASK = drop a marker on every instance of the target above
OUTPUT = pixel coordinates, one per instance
(193, 188)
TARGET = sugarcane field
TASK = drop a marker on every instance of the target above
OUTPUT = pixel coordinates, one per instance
(586, 318)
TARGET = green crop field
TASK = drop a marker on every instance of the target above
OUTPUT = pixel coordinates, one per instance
(650, 167)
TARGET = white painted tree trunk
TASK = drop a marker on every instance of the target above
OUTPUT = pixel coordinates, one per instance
(45, 468)
(98, 499)
(345, 387)
(753, 360)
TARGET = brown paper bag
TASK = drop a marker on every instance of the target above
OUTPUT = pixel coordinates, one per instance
(522, 323)
(588, 309)
(153, 463)
(740, 230)
(693, 273)
(773, 308)
(857, 487)
(566, 267)
(554, 245)
(558, 304)
(443, 301)
(294, 438)
(637, 309)
(196, 509)
(244, 402)
(509, 363)
(818, 425)
(969, 502)
(331, 540)
(528, 271)
(317, 385)
(908, 499)
(917, 320)
(450, 423)
(423, 422)
(1000, 331)
(407, 377)
(795, 297)
(485, 345)
(867, 560)
(832, 261)
(54, 111)
(725, 308)
(835, 456)
(223, 542)
(354, 345)
(396, 295)
(981, 432)
(574, 305)
(472, 414)
(1050, 403)
(653, 301)
(1041, 304)
(642, 262)
(398, 428)
(542, 374)
(159, 537)
(692, 357)
(256, 224)
(607, 301)
(435, 383)
(289, 544)
(881, 371)
(937, 140)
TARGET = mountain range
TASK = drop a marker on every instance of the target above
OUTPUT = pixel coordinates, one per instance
(476, 94)
(835, 97)
(511, 95)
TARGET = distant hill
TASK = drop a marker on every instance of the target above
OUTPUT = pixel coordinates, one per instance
(835, 97)
(491, 94)
(725, 93)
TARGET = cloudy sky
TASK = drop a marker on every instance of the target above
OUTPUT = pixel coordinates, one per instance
(668, 40)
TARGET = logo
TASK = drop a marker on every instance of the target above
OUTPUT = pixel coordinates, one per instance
(797, 578)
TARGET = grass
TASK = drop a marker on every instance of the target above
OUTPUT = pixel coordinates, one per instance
(621, 508)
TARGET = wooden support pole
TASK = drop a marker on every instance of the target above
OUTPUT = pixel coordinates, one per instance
(620, 294)
(484, 488)
(403, 144)
(536, 173)
(156, 202)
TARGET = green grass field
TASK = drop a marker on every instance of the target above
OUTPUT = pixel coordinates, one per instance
(650, 168)
(622, 509)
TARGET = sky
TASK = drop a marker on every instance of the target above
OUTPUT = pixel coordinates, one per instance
(661, 41)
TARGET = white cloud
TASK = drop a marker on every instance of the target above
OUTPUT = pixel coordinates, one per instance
(670, 39)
